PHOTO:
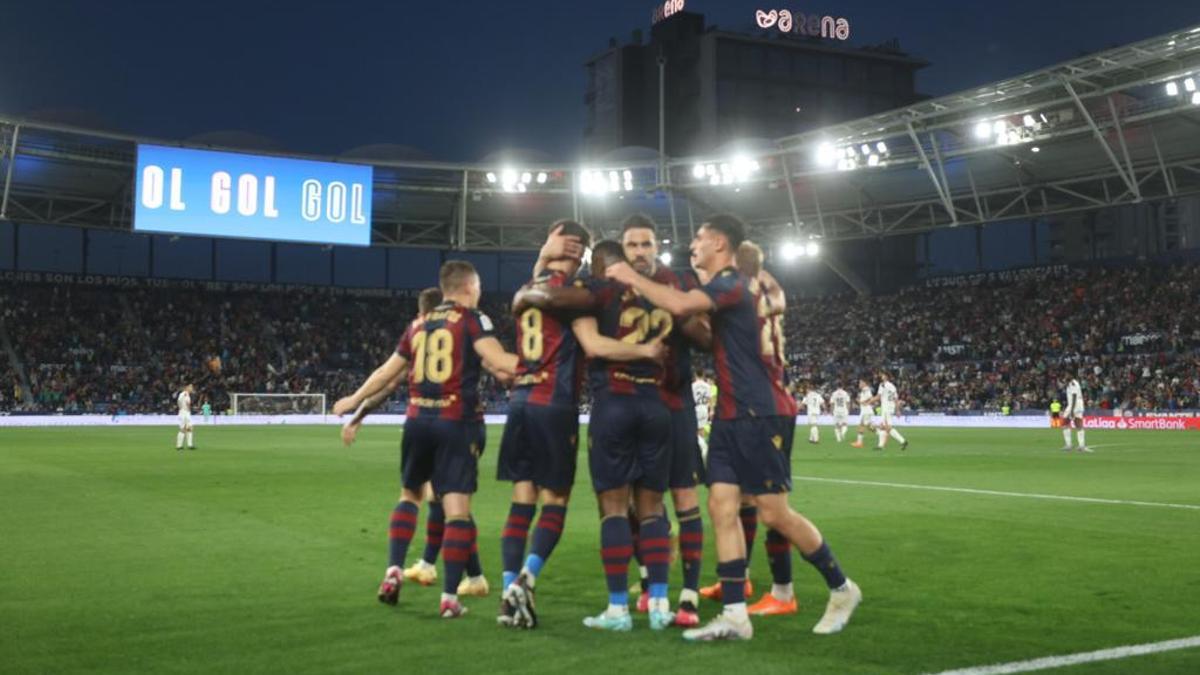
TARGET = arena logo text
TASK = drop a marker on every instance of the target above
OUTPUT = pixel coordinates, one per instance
(810, 25)
(666, 10)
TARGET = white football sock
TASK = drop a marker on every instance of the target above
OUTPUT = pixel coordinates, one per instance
(814, 435)
(688, 595)
(1067, 437)
(189, 440)
(859, 439)
(179, 440)
(882, 438)
(896, 435)
(1079, 435)
(737, 611)
(782, 592)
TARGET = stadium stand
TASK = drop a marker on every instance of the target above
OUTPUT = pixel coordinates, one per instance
(951, 348)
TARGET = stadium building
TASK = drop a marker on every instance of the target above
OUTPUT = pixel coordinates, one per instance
(721, 86)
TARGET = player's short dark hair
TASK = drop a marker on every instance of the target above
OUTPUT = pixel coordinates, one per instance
(428, 299)
(454, 275)
(572, 228)
(608, 249)
(729, 225)
(638, 221)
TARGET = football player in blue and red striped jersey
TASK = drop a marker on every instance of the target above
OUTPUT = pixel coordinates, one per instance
(639, 242)
(444, 351)
(540, 445)
(424, 570)
(629, 430)
(755, 420)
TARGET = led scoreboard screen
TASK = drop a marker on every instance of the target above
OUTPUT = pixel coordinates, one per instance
(227, 194)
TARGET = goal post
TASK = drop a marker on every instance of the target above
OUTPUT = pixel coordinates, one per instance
(277, 404)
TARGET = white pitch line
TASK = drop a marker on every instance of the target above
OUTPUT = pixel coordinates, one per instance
(1074, 659)
(999, 493)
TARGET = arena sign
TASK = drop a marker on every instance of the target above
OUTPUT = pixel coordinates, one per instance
(665, 10)
(226, 194)
(805, 25)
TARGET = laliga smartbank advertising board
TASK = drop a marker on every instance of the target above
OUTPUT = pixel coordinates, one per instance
(228, 194)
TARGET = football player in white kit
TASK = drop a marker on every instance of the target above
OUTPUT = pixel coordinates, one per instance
(1073, 416)
(866, 399)
(889, 401)
(839, 401)
(813, 403)
(184, 399)
(702, 393)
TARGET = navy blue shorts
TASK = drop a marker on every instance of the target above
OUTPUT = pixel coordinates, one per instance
(754, 453)
(540, 444)
(445, 452)
(628, 443)
(687, 465)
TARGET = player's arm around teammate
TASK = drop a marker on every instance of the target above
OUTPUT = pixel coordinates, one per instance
(598, 346)
(378, 381)
(369, 405)
(502, 364)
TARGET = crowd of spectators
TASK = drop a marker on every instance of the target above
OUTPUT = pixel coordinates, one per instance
(108, 350)
(1130, 334)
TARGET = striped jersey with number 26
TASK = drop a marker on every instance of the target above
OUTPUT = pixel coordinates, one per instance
(748, 350)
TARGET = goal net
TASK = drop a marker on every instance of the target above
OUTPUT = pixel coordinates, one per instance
(278, 404)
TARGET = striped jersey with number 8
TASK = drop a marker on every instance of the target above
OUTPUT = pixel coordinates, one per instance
(549, 368)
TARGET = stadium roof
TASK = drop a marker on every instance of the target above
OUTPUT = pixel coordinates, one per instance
(1116, 127)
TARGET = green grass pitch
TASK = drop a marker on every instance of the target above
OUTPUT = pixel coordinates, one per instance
(261, 552)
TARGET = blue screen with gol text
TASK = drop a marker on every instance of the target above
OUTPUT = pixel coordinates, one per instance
(227, 194)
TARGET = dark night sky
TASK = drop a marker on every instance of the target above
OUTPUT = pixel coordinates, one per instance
(457, 80)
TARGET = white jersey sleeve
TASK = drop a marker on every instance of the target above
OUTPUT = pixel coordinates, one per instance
(864, 396)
